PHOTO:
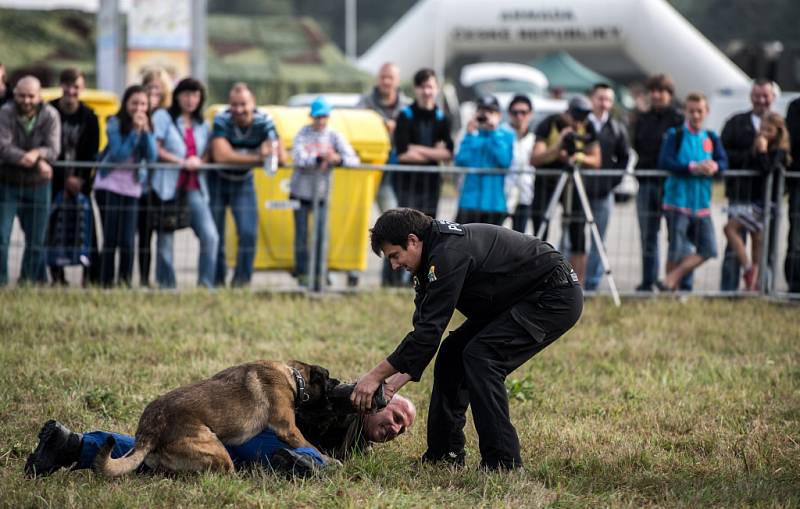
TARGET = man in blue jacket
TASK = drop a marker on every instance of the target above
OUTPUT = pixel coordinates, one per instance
(485, 145)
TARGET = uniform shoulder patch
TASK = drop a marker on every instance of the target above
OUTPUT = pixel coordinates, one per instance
(449, 227)
(432, 274)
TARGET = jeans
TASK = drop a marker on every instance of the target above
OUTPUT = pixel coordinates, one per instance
(203, 226)
(256, 451)
(145, 244)
(120, 217)
(791, 266)
(240, 196)
(601, 209)
(32, 205)
(386, 197)
(521, 217)
(301, 237)
(648, 209)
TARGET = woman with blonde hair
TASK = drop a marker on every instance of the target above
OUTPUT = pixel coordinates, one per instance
(159, 88)
(158, 84)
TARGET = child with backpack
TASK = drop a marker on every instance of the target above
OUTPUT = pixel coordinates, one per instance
(693, 155)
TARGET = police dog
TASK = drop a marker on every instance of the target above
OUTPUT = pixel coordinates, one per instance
(185, 429)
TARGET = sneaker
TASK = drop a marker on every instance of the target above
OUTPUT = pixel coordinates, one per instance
(290, 463)
(660, 287)
(58, 447)
(457, 459)
(645, 288)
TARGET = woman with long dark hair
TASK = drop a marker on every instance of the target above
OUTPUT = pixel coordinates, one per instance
(117, 190)
(183, 137)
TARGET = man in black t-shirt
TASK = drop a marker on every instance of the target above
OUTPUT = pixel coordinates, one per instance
(80, 138)
(565, 140)
(422, 137)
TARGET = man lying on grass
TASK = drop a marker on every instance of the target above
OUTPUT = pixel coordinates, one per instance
(338, 431)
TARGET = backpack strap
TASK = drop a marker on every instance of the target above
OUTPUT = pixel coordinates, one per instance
(678, 139)
(408, 112)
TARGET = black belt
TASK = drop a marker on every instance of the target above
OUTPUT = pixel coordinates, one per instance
(562, 276)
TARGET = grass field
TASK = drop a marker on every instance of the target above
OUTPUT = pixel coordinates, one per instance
(659, 403)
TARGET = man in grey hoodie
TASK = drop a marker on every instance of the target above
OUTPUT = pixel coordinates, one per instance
(30, 140)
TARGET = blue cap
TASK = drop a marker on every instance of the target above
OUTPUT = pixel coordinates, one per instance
(320, 107)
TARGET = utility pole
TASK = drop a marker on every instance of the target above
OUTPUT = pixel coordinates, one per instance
(108, 63)
(350, 29)
(200, 40)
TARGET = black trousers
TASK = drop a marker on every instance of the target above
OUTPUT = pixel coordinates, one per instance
(473, 363)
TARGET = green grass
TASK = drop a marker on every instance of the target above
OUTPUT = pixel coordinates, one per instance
(659, 403)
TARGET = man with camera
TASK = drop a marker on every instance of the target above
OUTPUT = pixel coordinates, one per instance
(485, 145)
(565, 141)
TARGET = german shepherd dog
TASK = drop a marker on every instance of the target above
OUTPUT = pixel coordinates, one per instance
(185, 429)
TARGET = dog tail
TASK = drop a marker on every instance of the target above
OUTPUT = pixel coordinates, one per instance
(107, 466)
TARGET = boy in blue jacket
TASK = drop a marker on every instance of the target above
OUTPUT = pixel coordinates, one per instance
(485, 145)
(693, 155)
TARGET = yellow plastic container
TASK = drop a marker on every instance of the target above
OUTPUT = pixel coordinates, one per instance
(352, 193)
(104, 104)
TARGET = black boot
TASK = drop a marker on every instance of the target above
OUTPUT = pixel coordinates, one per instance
(450, 458)
(58, 447)
(339, 398)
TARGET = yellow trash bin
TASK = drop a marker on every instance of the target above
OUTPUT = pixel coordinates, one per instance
(104, 104)
(351, 197)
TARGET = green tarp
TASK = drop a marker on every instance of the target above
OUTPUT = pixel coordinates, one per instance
(565, 72)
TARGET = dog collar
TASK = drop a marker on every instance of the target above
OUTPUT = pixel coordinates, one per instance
(301, 396)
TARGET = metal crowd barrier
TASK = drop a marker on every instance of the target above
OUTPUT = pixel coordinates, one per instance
(622, 239)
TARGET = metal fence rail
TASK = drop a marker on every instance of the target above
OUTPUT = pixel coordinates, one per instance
(622, 237)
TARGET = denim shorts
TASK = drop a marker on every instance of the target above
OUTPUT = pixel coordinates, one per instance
(688, 235)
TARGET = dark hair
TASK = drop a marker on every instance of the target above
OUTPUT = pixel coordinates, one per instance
(520, 98)
(125, 120)
(70, 75)
(660, 82)
(423, 75)
(395, 225)
(188, 85)
(601, 85)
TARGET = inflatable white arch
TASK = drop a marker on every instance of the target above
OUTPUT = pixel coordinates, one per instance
(650, 32)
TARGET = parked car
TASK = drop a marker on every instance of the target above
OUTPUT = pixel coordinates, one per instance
(504, 81)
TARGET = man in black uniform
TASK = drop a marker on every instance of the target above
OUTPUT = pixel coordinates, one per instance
(519, 295)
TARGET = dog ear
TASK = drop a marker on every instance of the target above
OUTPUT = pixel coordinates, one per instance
(319, 376)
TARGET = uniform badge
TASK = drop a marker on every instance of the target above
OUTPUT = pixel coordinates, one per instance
(432, 274)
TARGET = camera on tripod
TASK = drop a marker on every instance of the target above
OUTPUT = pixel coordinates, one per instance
(571, 140)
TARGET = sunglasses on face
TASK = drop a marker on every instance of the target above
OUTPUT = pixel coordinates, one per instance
(519, 112)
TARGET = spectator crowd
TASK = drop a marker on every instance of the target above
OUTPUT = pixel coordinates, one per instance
(93, 217)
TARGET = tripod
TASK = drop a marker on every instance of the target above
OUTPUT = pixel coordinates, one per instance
(573, 176)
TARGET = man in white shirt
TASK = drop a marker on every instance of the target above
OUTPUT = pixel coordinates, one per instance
(519, 186)
(615, 151)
